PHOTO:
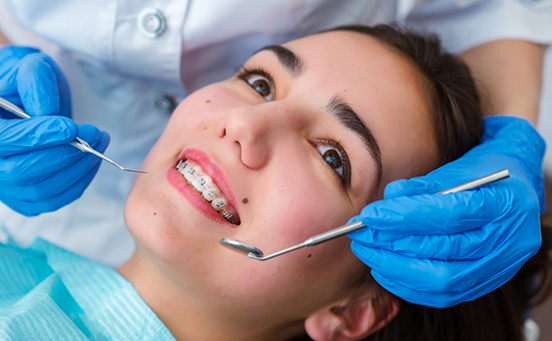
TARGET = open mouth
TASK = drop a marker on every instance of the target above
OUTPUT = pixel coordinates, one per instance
(205, 187)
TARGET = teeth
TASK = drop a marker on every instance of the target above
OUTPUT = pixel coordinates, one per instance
(207, 181)
(189, 174)
(209, 194)
(219, 203)
(204, 185)
(197, 185)
(181, 167)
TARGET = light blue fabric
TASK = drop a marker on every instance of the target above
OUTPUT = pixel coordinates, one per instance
(48, 293)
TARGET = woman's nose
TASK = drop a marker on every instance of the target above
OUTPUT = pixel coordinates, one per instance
(253, 129)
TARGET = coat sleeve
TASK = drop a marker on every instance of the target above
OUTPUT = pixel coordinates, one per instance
(463, 24)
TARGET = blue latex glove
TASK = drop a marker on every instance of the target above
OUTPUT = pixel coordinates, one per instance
(439, 250)
(39, 172)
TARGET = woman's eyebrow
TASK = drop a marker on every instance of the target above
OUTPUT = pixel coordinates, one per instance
(350, 119)
(289, 60)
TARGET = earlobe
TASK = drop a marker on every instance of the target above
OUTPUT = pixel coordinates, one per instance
(351, 321)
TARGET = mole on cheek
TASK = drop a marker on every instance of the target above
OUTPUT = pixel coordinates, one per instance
(154, 213)
(309, 256)
(245, 200)
(208, 101)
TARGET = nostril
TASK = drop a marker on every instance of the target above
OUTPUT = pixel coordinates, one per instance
(221, 126)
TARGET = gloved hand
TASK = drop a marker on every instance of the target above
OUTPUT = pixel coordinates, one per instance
(39, 172)
(439, 250)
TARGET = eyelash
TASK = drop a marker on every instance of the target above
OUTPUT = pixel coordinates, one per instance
(246, 74)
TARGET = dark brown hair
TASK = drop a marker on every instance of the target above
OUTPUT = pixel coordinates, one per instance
(457, 114)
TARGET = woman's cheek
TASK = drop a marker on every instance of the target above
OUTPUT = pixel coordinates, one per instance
(306, 208)
(208, 103)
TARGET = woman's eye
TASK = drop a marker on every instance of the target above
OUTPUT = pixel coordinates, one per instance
(333, 158)
(336, 158)
(262, 86)
(259, 80)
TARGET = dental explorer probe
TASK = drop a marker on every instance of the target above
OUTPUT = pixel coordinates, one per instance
(255, 253)
(78, 143)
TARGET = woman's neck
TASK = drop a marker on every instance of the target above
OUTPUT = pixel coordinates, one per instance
(187, 315)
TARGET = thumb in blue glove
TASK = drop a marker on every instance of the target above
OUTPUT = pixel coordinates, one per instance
(441, 250)
(32, 80)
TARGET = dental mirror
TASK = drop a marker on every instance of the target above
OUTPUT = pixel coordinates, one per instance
(241, 247)
(255, 253)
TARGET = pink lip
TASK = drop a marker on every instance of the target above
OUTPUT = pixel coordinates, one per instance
(177, 181)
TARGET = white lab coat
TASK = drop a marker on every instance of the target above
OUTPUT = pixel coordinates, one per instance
(124, 79)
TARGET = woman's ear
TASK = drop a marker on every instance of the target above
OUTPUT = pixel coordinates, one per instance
(351, 320)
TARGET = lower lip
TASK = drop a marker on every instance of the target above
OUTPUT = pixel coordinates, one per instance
(177, 181)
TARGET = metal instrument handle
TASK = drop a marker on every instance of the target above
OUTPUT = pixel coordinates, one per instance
(78, 143)
(339, 231)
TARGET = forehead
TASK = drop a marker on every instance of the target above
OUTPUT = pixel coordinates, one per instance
(351, 53)
(383, 87)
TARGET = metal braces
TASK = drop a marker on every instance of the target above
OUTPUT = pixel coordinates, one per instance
(181, 164)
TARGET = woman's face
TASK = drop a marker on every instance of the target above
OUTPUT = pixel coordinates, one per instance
(291, 143)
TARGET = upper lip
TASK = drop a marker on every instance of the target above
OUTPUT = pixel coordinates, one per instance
(213, 171)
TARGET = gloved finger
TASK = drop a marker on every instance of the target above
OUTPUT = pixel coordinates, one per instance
(11, 55)
(37, 86)
(45, 189)
(63, 91)
(19, 136)
(438, 300)
(436, 213)
(446, 298)
(32, 208)
(468, 245)
(410, 187)
(42, 86)
(29, 168)
(61, 198)
(439, 276)
(472, 244)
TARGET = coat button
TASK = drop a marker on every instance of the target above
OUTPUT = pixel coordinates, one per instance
(164, 103)
(152, 22)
